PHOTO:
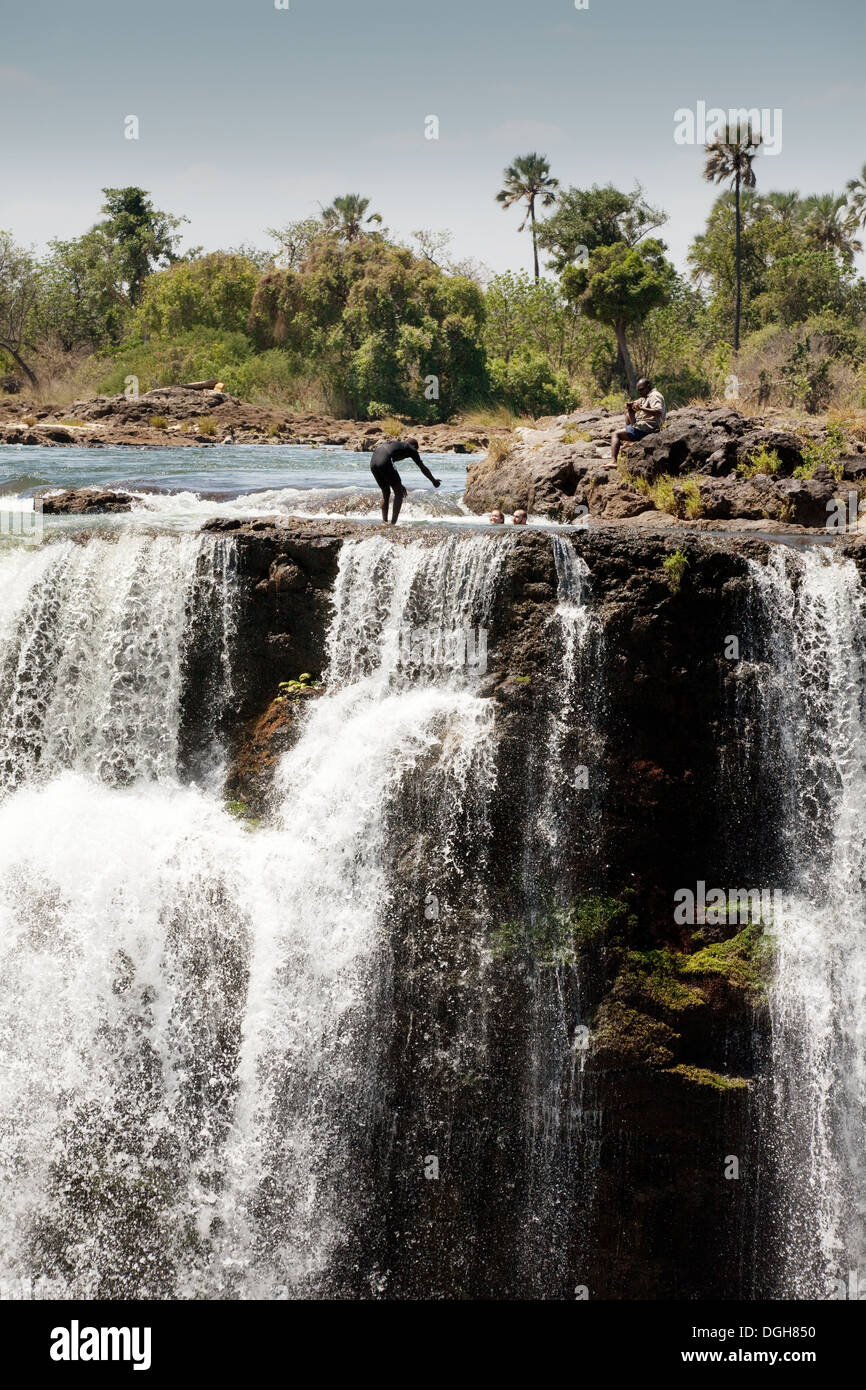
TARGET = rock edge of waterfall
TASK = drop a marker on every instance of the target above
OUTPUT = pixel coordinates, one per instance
(677, 1074)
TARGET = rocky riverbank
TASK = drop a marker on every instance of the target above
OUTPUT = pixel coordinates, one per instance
(706, 467)
(180, 416)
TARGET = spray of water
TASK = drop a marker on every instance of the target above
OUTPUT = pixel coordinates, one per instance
(193, 1013)
(815, 613)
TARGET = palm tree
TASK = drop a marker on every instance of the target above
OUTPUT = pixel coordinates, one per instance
(857, 201)
(785, 207)
(730, 159)
(529, 177)
(826, 228)
(346, 216)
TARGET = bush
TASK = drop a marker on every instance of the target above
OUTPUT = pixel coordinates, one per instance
(192, 356)
(675, 567)
(763, 460)
(214, 291)
(529, 386)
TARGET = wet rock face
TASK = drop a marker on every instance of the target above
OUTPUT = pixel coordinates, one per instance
(673, 1077)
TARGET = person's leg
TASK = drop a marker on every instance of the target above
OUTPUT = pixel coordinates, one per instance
(386, 498)
(617, 439)
(399, 497)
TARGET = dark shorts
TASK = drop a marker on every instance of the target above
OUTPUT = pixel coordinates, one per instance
(386, 476)
(639, 431)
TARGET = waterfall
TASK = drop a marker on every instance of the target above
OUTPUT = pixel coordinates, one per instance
(93, 641)
(814, 611)
(560, 1140)
(193, 1013)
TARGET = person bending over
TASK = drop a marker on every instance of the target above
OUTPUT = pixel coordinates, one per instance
(644, 415)
(384, 457)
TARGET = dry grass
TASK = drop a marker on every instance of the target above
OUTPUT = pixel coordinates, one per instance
(500, 447)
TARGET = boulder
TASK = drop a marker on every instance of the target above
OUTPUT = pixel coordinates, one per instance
(85, 501)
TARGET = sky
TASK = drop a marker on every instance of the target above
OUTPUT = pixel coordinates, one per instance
(250, 116)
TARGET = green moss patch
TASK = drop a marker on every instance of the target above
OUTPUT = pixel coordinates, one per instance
(715, 1080)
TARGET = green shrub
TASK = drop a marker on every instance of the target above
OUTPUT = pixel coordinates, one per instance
(206, 424)
(158, 422)
(528, 385)
(763, 460)
(191, 356)
(675, 567)
(815, 454)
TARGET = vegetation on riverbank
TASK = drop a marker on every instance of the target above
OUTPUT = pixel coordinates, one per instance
(340, 318)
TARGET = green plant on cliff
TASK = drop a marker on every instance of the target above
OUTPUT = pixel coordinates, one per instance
(692, 502)
(744, 960)
(557, 934)
(675, 567)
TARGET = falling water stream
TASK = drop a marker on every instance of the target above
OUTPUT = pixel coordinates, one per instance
(814, 609)
(195, 1014)
(187, 1007)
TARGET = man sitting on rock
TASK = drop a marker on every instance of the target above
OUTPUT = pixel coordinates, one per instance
(644, 415)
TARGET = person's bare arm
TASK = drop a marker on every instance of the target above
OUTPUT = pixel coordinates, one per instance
(416, 458)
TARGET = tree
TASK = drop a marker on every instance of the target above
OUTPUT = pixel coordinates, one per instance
(586, 218)
(713, 254)
(730, 159)
(619, 286)
(826, 226)
(436, 248)
(82, 301)
(295, 240)
(529, 179)
(144, 236)
(384, 328)
(784, 207)
(215, 291)
(346, 216)
(856, 189)
(19, 295)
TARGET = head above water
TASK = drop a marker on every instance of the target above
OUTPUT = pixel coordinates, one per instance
(519, 518)
(644, 386)
(497, 518)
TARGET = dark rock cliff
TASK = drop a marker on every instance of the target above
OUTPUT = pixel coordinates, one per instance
(584, 1134)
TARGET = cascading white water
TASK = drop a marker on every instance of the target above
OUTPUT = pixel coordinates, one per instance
(92, 645)
(557, 1142)
(187, 1007)
(816, 702)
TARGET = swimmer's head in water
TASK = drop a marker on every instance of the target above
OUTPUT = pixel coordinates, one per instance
(519, 518)
(497, 518)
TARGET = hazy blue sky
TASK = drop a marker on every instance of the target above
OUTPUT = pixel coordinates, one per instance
(250, 116)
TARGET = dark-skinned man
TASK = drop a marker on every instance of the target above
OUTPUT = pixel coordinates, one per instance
(385, 455)
(644, 415)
